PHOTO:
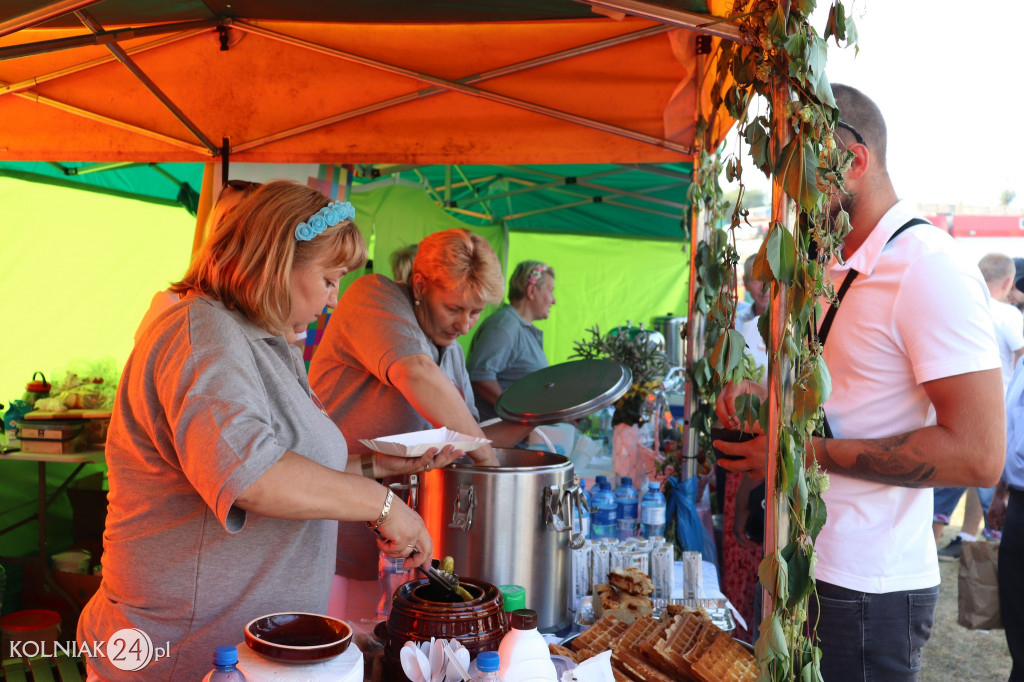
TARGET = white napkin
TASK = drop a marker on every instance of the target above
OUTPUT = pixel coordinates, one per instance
(416, 443)
(595, 669)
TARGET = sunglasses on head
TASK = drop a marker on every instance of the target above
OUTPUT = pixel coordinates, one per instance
(241, 185)
(841, 123)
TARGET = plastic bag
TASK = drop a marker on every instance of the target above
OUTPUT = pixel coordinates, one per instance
(691, 534)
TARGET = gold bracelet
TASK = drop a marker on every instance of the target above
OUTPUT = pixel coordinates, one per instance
(383, 512)
(367, 465)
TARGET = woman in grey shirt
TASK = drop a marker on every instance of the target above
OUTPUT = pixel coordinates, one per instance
(227, 478)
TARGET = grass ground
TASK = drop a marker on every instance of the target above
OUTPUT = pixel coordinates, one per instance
(954, 652)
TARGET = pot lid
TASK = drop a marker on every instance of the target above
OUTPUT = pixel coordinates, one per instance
(569, 390)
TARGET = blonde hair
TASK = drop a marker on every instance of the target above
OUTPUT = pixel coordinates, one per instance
(401, 263)
(247, 262)
(461, 260)
(523, 273)
(995, 267)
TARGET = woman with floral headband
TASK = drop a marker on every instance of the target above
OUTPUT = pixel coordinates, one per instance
(389, 363)
(508, 346)
(227, 478)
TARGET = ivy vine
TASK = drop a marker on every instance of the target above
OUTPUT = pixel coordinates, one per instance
(783, 61)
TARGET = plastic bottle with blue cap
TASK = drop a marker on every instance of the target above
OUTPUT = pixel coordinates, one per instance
(225, 666)
(488, 664)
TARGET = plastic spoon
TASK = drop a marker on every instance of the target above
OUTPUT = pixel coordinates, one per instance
(456, 667)
(414, 664)
(436, 660)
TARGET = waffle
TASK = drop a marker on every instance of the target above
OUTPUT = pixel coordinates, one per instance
(631, 580)
(681, 637)
(638, 632)
(708, 635)
(636, 668)
(726, 660)
(600, 636)
(647, 644)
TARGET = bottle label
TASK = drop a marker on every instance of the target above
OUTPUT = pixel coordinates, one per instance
(653, 516)
(627, 510)
(604, 517)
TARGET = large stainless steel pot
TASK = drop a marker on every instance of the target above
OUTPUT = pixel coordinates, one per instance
(508, 524)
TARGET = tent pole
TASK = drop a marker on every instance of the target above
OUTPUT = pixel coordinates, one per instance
(483, 204)
(147, 82)
(84, 66)
(701, 23)
(471, 91)
(428, 92)
(780, 380)
(39, 99)
(44, 13)
(45, 46)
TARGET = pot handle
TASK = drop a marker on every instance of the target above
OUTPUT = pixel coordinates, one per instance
(553, 509)
(462, 518)
(413, 486)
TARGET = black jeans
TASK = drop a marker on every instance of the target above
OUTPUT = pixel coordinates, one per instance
(1011, 569)
(868, 637)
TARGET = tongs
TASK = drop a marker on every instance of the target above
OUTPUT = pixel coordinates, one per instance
(449, 582)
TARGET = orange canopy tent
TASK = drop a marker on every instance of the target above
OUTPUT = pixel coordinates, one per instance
(350, 83)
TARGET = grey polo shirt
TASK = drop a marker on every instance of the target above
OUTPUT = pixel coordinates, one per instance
(373, 327)
(505, 349)
(207, 403)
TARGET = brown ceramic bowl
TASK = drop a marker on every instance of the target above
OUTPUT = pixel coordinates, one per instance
(298, 637)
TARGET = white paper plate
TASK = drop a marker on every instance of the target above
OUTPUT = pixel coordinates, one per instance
(416, 443)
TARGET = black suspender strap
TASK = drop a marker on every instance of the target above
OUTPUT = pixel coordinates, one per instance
(826, 324)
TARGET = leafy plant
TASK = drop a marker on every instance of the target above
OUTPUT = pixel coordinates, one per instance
(783, 60)
(644, 359)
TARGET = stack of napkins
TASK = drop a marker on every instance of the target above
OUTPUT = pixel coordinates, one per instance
(416, 443)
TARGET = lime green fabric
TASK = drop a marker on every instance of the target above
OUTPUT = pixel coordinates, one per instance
(604, 281)
(77, 271)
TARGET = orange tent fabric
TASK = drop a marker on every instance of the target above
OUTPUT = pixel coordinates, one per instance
(270, 94)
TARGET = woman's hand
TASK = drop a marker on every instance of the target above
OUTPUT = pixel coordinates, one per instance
(390, 465)
(403, 535)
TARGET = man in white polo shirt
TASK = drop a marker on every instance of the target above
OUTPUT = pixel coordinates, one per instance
(916, 402)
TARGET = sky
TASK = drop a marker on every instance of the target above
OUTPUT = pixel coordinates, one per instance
(949, 79)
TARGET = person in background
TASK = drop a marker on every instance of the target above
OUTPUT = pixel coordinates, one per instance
(1007, 514)
(1016, 297)
(401, 263)
(230, 196)
(742, 554)
(508, 346)
(227, 478)
(916, 403)
(999, 273)
(389, 363)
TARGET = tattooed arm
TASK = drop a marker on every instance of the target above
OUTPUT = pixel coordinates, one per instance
(966, 447)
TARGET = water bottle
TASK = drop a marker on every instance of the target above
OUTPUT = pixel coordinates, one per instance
(627, 498)
(225, 666)
(652, 511)
(391, 574)
(597, 484)
(604, 519)
(488, 663)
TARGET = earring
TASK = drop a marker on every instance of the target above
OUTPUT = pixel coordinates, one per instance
(417, 301)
